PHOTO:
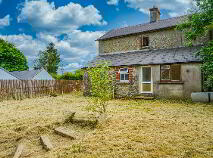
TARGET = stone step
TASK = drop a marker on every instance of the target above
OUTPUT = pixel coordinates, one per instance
(70, 116)
(46, 143)
(19, 151)
(145, 97)
(65, 132)
(82, 121)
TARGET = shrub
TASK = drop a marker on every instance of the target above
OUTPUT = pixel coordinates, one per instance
(101, 86)
(77, 75)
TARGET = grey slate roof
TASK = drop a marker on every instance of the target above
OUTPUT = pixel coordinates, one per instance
(7, 72)
(25, 75)
(161, 24)
(149, 57)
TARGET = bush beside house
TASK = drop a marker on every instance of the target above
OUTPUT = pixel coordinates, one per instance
(77, 75)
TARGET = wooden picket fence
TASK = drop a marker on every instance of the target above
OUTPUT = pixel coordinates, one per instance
(16, 89)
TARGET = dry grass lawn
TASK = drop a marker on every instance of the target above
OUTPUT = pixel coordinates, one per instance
(134, 129)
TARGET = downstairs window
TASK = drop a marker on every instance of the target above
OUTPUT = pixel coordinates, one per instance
(170, 72)
(124, 75)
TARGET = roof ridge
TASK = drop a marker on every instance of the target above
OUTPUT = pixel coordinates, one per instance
(149, 22)
(138, 25)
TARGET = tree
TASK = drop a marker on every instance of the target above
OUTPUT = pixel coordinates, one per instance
(198, 24)
(101, 86)
(48, 59)
(11, 58)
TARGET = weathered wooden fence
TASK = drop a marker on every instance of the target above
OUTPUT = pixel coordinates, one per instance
(17, 89)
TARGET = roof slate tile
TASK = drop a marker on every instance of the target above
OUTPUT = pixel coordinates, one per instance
(161, 24)
(149, 57)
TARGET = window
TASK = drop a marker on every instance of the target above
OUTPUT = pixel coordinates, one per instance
(170, 72)
(124, 75)
(144, 41)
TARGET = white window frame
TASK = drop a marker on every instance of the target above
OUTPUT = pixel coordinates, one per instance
(150, 82)
(126, 72)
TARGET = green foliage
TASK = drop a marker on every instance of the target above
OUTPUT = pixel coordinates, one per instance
(199, 22)
(77, 75)
(48, 59)
(11, 58)
(206, 54)
(196, 25)
(101, 86)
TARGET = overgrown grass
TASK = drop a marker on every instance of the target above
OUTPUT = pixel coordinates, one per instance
(148, 129)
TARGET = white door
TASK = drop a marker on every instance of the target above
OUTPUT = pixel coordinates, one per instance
(146, 86)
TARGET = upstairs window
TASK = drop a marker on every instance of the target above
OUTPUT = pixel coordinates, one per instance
(170, 72)
(124, 75)
(144, 41)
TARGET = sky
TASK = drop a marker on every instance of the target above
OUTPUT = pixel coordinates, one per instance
(74, 25)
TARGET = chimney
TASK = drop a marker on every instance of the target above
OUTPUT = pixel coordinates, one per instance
(154, 14)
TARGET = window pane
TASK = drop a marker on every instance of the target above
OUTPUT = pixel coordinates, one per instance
(165, 74)
(175, 72)
(126, 76)
(122, 76)
(146, 87)
(146, 74)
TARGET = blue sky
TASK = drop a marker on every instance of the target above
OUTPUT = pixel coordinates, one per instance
(73, 25)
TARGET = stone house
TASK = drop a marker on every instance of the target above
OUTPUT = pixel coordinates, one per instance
(151, 58)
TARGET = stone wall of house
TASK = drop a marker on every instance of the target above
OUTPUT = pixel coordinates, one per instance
(121, 89)
(190, 82)
(158, 39)
(127, 89)
(168, 38)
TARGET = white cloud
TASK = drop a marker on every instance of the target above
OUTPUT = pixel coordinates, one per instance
(73, 66)
(112, 2)
(173, 14)
(5, 21)
(76, 48)
(45, 17)
(174, 7)
(25, 43)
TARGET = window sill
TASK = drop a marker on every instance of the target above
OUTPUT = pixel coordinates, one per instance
(123, 82)
(145, 47)
(170, 82)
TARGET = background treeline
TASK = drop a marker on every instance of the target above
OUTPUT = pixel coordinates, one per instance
(77, 75)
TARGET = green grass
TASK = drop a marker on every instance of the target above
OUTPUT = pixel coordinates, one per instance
(134, 129)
